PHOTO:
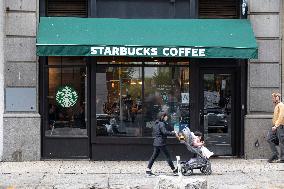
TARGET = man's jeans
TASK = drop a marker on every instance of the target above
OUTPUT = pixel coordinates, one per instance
(280, 135)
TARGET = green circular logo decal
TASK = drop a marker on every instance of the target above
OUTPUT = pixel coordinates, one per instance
(66, 96)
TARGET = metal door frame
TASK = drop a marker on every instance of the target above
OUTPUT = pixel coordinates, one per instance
(235, 104)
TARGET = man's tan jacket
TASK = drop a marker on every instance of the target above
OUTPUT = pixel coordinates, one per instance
(278, 115)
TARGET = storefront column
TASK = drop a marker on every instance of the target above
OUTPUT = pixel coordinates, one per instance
(21, 121)
(1, 75)
(263, 76)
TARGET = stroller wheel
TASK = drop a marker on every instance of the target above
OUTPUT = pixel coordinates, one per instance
(183, 170)
(186, 172)
(206, 170)
(189, 172)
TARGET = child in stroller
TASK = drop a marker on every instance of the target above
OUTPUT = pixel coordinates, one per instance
(200, 161)
(197, 142)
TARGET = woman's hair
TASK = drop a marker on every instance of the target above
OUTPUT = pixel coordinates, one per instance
(161, 116)
(198, 133)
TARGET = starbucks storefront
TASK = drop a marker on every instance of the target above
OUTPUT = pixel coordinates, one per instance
(103, 81)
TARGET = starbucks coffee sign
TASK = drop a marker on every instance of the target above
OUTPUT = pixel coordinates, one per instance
(149, 51)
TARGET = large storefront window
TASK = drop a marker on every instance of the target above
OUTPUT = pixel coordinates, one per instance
(66, 98)
(119, 101)
(128, 99)
(166, 90)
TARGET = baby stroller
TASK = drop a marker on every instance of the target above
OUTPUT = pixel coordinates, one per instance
(198, 162)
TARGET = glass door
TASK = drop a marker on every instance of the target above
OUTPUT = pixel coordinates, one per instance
(216, 113)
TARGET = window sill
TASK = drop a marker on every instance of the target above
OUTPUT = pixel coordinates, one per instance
(129, 140)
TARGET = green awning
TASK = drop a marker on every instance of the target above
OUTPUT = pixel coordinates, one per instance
(197, 38)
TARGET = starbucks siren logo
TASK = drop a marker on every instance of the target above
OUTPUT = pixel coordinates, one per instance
(66, 96)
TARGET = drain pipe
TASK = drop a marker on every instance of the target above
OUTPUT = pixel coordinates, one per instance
(281, 25)
(2, 62)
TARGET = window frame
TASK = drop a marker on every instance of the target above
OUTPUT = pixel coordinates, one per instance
(126, 139)
(45, 93)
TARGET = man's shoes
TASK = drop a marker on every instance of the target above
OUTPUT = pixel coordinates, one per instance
(149, 173)
(280, 161)
(272, 159)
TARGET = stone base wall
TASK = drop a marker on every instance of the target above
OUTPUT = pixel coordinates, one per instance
(22, 137)
(256, 128)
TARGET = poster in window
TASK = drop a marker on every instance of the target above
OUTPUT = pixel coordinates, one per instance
(184, 98)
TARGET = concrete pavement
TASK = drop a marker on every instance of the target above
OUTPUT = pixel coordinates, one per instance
(227, 174)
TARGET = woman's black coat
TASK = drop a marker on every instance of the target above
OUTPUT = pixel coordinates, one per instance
(160, 133)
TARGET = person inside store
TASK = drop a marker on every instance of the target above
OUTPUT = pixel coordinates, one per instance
(79, 117)
(128, 105)
(134, 111)
(277, 129)
(160, 134)
(51, 116)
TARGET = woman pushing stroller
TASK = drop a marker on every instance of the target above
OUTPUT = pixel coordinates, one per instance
(160, 134)
(192, 141)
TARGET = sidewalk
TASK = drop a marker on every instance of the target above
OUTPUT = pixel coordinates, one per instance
(227, 174)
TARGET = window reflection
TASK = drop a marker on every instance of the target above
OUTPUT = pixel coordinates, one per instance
(119, 101)
(166, 90)
(217, 101)
(124, 109)
(217, 112)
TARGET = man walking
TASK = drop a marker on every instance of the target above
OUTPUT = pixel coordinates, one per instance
(278, 127)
